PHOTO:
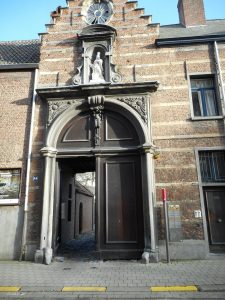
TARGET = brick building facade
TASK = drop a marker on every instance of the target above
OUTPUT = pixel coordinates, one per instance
(142, 105)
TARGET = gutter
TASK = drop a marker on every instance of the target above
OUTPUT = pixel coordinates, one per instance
(219, 73)
(19, 66)
(24, 232)
(190, 40)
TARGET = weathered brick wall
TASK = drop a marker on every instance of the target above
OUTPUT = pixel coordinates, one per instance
(16, 90)
(177, 135)
(37, 171)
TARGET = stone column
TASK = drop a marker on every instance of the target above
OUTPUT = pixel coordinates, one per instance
(149, 254)
(44, 254)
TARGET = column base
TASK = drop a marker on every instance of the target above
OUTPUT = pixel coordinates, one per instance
(145, 258)
(39, 256)
(149, 257)
(48, 256)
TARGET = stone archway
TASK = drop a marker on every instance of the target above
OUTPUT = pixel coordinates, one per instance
(120, 141)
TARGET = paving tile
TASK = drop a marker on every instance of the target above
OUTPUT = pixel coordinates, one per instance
(209, 275)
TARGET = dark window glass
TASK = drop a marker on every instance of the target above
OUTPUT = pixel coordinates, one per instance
(212, 165)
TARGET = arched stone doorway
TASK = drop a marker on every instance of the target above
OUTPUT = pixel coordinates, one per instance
(113, 141)
(115, 132)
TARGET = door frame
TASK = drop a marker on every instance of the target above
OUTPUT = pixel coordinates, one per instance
(211, 189)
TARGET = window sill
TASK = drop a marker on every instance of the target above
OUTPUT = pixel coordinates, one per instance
(9, 202)
(207, 118)
(213, 184)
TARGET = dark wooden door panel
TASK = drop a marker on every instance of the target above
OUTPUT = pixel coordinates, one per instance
(121, 195)
(120, 198)
(215, 204)
(77, 133)
(116, 130)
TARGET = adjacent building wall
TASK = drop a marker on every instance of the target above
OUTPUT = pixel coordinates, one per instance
(177, 135)
(16, 90)
(86, 201)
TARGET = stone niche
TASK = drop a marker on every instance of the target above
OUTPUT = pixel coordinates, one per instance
(97, 67)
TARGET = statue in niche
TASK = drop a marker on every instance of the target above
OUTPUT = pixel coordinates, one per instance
(97, 70)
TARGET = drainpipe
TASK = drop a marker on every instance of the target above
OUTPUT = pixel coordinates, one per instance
(219, 73)
(24, 232)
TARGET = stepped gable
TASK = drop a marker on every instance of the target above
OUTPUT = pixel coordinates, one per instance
(19, 52)
(61, 44)
(125, 12)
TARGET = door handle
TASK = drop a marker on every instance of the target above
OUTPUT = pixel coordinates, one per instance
(219, 220)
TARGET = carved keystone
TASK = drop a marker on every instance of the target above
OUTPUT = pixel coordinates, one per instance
(96, 104)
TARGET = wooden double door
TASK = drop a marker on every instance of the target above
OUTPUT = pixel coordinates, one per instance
(113, 141)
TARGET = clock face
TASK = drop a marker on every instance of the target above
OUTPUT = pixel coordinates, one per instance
(99, 13)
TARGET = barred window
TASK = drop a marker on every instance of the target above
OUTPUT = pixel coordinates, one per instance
(212, 166)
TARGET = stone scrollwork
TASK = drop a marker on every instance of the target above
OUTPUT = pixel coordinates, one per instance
(139, 104)
(96, 104)
(77, 79)
(55, 108)
(115, 76)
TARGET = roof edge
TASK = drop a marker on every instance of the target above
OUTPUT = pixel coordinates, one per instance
(19, 66)
(190, 40)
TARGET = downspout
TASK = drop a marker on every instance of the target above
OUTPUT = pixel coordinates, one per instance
(24, 232)
(219, 73)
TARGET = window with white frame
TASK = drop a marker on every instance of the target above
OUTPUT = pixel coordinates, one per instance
(9, 186)
(212, 166)
(204, 98)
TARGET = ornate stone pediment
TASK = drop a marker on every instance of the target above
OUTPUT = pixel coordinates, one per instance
(138, 103)
(56, 107)
(90, 32)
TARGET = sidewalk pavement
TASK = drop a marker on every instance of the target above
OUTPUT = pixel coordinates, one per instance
(117, 279)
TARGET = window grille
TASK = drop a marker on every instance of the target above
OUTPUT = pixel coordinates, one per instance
(212, 166)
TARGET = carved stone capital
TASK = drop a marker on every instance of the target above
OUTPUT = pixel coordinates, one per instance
(152, 150)
(138, 103)
(49, 152)
(96, 101)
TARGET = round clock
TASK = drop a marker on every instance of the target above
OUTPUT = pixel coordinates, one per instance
(99, 13)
